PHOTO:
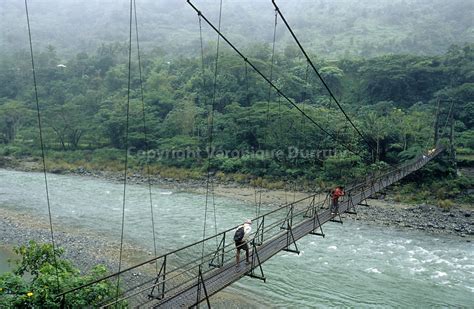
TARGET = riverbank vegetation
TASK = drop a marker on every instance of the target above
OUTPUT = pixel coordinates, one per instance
(257, 137)
(41, 274)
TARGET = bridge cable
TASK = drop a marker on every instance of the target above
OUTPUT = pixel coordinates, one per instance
(449, 115)
(247, 83)
(307, 97)
(145, 135)
(43, 156)
(319, 75)
(265, 136)
(211, 132)
(271, 83)
(202, 63)
(306, 78)
(212, 118)
(257, 200)
(425, 147)
(126, 147)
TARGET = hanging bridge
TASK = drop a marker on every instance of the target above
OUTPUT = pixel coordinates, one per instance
(190, 275)
(185, 278)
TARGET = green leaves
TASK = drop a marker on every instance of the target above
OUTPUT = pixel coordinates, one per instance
(34, 282)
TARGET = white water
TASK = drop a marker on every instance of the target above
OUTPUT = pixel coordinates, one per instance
(356, 265)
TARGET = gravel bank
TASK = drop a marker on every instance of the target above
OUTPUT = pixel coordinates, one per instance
(432, 219)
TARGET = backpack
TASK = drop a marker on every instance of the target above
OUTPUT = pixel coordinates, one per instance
(239, 234)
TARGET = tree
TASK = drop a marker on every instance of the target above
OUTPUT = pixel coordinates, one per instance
(376, 127)
(333, 77)
(12, 115)
(67, 122)
(33, 283)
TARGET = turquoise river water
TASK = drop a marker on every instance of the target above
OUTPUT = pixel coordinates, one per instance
(356, 265)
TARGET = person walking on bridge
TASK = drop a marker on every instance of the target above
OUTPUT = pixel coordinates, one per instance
(241, 237)
(335, 194)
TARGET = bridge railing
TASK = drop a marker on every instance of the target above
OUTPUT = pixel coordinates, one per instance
(159, 276)
(168, 273)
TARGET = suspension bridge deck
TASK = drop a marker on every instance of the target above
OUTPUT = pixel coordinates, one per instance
(189, 275)
(217, 279)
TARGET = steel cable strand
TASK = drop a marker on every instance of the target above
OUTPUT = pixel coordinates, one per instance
(272, 84)
(212, 116)
(145, 135)
(210, 186)
(126, 147)
(319, 75)
(280, 208)
(43, 156)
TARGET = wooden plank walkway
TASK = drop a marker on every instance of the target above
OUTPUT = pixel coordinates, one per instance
(217, 279)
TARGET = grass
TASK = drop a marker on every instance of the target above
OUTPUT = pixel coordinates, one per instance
(445, 204)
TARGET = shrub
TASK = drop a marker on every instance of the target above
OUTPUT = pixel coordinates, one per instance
(33, 283)
(445, 204)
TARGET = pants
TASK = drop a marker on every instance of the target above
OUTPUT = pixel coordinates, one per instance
(242, 245)
(335, 205)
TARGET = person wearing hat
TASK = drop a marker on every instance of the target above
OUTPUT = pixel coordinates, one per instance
(241, 237)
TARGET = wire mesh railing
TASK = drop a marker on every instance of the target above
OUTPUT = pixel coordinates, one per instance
(170, 273)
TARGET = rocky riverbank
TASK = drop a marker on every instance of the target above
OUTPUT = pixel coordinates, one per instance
(432, 219)
(456, 220)
(86, 250)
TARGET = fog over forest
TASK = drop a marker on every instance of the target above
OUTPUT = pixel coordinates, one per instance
(331, 29)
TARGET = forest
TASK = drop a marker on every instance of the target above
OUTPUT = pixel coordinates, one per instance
(388, 82)
(256, 134)
(397, 69)
(331, 29)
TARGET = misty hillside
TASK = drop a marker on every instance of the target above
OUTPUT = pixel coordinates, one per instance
(332, 29)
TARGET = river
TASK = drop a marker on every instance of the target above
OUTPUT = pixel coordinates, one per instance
(356, 265)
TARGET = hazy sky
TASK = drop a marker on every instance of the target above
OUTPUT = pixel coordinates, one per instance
(389, 25)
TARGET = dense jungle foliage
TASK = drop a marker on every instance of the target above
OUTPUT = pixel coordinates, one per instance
(392, 99)
(393, 65)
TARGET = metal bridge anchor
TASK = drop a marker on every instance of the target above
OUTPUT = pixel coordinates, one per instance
(289, 242)
(351, 209)
(201, 283)
(218, 258)
(312, 212)
(335, 220)
(160, 285)
(256, 258)
(316, 218)
(289, 233)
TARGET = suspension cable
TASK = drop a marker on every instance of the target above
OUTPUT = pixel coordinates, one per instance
(43, 157)
(126, 146)
(271, 83)
(271, 70)
(265, 136)
(319, 75)
(214, 88)
(203, 94)
(425, 147)
(210, 186)
(449, 115)
(247, 84)
(147, 145)
(306, 75)
(202, 62)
